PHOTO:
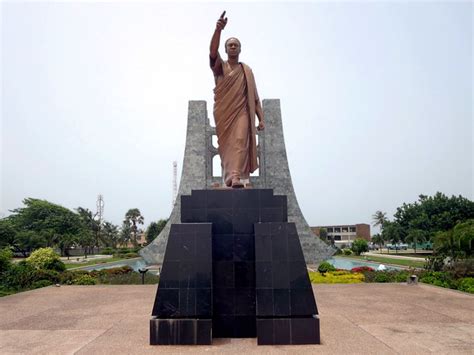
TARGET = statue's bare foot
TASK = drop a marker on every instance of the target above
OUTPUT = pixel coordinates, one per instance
(237, 184)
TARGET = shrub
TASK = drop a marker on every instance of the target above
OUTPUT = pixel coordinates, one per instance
(41, 283)
(325, 267)
(6, 292)
(47, 275)
(360, 246)
(19, 276)
(402, 276)
(46, 258)
(131, 255)
(107, 251)
(362, 269)
(435, 263)
(126, 269)
(382, 276)
(131, 278)
(24, 275)
(6, 256)
(390, 275)
(460, 268)
(68, 277)
(347, 251)
(466, 284)
(440, 278)
(85, 279)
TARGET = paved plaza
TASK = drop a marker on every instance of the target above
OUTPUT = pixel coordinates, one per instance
(359, 318)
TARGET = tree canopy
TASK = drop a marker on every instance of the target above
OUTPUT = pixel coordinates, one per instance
(39, 224)
(423, 219)
(154, 229)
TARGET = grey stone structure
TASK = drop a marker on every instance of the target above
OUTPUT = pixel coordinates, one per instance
(274, 173)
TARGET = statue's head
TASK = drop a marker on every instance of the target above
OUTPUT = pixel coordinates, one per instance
(232, 47)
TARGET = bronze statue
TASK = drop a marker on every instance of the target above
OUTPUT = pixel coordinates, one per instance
(236, 103)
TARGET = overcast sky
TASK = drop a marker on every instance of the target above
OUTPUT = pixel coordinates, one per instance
(376, 100)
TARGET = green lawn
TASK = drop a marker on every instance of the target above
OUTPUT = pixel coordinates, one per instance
(92, 262)
(420, 254)
(381, 259)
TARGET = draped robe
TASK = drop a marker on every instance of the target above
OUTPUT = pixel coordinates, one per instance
(235, 102)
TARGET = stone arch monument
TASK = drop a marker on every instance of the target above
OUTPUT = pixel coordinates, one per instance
(273, 174)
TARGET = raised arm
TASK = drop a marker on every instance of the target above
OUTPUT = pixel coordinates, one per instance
(216, 37)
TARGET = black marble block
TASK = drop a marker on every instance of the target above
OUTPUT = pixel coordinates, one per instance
(288, 331)
(185, 286)
(233, 214)
(180, 331)
(233, 211)
(285, 299)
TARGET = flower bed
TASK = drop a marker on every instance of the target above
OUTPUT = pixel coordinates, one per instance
(336, 277)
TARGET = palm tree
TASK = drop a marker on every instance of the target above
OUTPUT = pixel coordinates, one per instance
(66, 242)
(378, 240)
(125, 233)
(392, 233)
(414, 236)
(134, 217)
(92, 224)
(110, 234)
(379, 218)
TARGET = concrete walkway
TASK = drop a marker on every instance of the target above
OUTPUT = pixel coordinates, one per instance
(355, 319)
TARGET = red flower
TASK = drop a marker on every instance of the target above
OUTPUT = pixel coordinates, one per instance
(362, 269)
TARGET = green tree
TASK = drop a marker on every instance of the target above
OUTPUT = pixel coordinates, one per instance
(93, 225)
(455, 243)
(377, 239)
(110, 234)
(66, 242)
(360, 246)
(392, 234)
(125, 233)
(379, 219)
(433, 214)
(27, 240)
(7, 233)
(6, 256)
(133, 217)
(323, 234)
(415, 236)
(41, 223)
(87, 241)
(154, 229)
(464, 233)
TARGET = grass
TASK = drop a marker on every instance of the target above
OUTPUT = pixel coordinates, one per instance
(393, 261)
(93, 262)
(419, 254)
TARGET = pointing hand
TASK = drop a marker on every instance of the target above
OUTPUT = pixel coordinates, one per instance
(221, 22)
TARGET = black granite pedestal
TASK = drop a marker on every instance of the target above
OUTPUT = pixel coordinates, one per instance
(234, 268)
(182, 313)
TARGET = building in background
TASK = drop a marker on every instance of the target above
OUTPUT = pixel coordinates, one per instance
(343, 235)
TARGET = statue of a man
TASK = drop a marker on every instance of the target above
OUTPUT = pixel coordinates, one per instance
(236, 103)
